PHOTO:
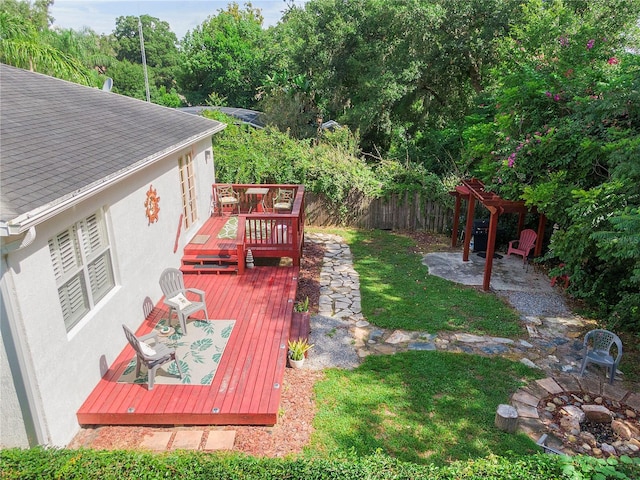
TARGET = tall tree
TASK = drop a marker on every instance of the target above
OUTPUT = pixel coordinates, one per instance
(224, 56)
(380, 63)
(160, 45)
(94, 51)
(23, 43)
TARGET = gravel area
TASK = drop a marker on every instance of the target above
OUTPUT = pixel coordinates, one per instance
(333, 344)
(536, 304)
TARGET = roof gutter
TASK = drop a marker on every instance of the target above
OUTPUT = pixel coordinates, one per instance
(14, 242)
(30, 219)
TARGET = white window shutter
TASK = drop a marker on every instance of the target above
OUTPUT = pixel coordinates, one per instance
(64, 253)
(73, 300)
(92, 237)
(100, 276)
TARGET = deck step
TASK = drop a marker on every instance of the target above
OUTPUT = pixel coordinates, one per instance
(200, 258)
(208, 268)
(207, 263)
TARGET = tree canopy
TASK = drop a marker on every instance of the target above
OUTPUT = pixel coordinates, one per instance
(223, 56)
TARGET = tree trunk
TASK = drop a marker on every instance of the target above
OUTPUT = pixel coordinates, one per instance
(507, 418)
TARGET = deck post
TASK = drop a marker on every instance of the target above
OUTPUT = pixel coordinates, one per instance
(468, 228)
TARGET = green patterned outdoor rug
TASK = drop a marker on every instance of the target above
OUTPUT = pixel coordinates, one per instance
(199, 354)
(230, 229)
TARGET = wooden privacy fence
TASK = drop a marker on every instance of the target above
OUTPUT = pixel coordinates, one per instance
(408, 211)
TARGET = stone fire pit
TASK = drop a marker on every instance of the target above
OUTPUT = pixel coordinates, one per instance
(600, 426)
(580, 415)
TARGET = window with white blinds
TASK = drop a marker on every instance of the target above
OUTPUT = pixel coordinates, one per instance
(188, 189)
(81, 260)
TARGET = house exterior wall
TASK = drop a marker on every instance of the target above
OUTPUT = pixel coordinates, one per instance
(12, 429)
(68, 365)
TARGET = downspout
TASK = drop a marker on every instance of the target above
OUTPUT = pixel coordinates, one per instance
(22, 371)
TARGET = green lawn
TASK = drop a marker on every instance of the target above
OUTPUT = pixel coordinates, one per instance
(398, 292)
(420, 407)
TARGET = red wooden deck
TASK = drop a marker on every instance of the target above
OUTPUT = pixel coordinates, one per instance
(247, 386)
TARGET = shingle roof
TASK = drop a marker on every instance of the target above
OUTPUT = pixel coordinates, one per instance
(57, 138)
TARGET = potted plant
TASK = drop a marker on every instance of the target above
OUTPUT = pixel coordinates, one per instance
(302, 306)
(297, 352)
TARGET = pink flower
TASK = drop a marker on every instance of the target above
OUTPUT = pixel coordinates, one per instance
(590, 44)
(556, 97)
(548, 93)
(564, 41)
(512, 160)
(613, 61)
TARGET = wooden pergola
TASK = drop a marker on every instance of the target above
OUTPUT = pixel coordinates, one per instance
(473, 191)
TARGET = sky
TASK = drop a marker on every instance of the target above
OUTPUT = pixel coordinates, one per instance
(182, 16)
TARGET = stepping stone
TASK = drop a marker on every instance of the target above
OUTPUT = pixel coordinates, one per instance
(633, 400)
(398, 337)
(614, 391)
(494, 349)
(590, 385)
(376, 334)
(422, 346)
(187, 440)
(529, 363)
(157, 441)
(220, 440)
(526, 398)
(550, 385)
(526, 411)
(568, 383)
(468, 338)
(383, 349)
(501, 340)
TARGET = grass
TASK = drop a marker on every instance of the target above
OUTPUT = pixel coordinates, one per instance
(398, 292)
(420, 407)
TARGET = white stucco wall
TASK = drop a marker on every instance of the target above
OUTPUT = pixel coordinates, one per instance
(68, 365)
(12, 429)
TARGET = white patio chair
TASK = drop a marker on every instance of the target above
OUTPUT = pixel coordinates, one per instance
(176, 297)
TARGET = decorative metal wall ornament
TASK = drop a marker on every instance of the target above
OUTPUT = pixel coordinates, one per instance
(152, 205)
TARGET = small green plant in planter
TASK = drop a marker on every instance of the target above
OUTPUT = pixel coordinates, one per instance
(302, 306)
(297, 350)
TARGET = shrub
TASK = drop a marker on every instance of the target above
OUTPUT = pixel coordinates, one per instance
(49, 463)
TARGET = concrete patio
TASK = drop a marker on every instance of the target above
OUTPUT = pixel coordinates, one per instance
(508, 273)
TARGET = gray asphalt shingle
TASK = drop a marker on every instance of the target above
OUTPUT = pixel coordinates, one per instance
(58, 137)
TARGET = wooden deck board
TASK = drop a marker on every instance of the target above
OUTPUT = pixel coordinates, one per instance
(243, 387)
(268, 350)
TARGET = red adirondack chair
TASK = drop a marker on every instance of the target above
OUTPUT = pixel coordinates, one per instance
(524, 244)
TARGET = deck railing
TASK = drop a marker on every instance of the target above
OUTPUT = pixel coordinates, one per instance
(265, 232)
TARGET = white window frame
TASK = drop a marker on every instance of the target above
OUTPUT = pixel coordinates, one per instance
(83, 267)
(188, 189)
